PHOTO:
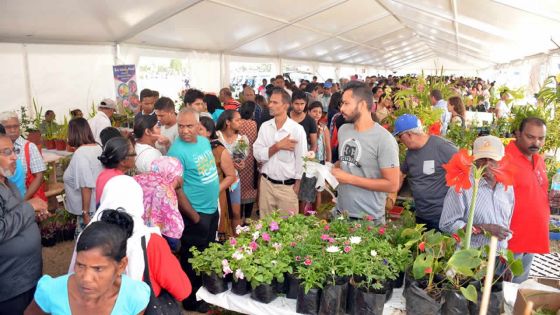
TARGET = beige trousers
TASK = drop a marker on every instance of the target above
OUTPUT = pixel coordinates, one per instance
(276, 197)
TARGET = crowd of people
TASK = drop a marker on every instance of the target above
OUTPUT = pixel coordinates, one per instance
(189, 178)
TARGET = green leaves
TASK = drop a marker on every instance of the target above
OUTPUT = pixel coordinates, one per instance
(470, 293)
(465, 261)
(422, 263)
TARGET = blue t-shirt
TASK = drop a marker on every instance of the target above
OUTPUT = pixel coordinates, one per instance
(18, 178)
(52, 296)
(202, 185)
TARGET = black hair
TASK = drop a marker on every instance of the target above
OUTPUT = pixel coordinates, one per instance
(146, 93)
(114, 151)
(227, 115)
(315, 104)
(299, 95)
(531, 120)
(212, 103)
(2, 130)
(247, 110)
(142, 123)
(79, 132)
(335, 101)
(192, 95)
(360, 92)
(208, 124)
(48, 112)
(74, 112)
(108, 133)
(109, 234)
(165, 103)
(286, 99)
(436, 94)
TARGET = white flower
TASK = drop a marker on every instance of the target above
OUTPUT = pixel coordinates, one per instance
(237, 255)
(239, 274)
(310, 155)
(227, 270)
(333, 249)
(258, 226)
(355, 240)
(373, 253)
(248, 250)
(240, 229)
(277, 246)
(273, 262)
(341, 217)
(225, 262)
(256, 235)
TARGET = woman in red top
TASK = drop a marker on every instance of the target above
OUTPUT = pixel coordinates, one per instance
(117, 158)
(125, 194)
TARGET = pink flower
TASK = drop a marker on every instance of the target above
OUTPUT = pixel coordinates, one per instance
(381, 230)
(327, 227)
(347, 249)
(266, 237)
(307, 262)
(325, 237)
(358, 225)
(369, 228)
(298, 258)
(232, 241)
(331, 240)
(258, 226)
(253, 245)
(274, 226)
(293, 244)
(346, 242)
(369, 218)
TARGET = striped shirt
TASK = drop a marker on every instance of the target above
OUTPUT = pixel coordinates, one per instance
(493, 206)
(36, 161)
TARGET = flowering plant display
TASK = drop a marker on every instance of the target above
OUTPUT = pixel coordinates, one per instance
(241, 148)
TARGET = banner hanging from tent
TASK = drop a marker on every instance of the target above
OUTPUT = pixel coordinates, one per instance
(126, 87)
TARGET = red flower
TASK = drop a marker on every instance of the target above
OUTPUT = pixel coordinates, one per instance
(369, 217)
(307, 262)
(435, 129)
(369, 228)
(293, 244)
(422, 246)
(458, 170)
(456, 237)
(428, 270)
(381, 230)
(504, 172)
(347, 249)
(327, 227)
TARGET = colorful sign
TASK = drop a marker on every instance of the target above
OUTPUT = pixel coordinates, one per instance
(126, 87)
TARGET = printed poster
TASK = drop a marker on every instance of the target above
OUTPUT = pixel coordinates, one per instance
(126, 87)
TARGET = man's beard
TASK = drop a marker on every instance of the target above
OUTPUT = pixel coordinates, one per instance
(353, 117)
(6, 172)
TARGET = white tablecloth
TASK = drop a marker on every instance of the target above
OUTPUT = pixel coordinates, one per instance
(281, 305)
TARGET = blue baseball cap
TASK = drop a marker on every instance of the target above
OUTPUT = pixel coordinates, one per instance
(406, 122)
(327, 85)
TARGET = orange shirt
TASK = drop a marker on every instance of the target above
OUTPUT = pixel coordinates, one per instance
(531, 213)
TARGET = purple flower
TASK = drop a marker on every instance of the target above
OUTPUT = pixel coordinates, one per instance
(385, 261)
(274, 226)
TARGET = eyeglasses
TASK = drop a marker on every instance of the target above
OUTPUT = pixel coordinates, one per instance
(9, 151)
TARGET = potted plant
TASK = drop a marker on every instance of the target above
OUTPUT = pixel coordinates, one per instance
(213, 264)
(61, 135)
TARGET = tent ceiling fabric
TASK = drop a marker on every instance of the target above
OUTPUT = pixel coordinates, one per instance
(387, 34)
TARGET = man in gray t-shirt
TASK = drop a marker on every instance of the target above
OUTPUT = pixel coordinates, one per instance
(368, 166)
(423, 168)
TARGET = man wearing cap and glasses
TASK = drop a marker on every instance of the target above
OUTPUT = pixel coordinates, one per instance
(102, 119)
(494, 203)
(423, 169)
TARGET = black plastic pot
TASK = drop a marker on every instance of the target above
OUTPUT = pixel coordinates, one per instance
(292, 286)
(397, 283)
(418, 302)
(307, 191)
(454, 303)
(333, 298)
(214, 283)
(369, 302)
(264, 293)
(280, 286)
(496, 304)
(352, 290)
(308, 303)
(240, 287)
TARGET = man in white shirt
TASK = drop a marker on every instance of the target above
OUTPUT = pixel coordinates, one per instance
(436, 98)
(280, 147)
(102, 119)
(165, 112)
(502, 108)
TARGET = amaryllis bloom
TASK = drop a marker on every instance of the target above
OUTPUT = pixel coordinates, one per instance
(326, 227)
(422, 246)
(266, 237)
(253, 245)
(428, 270)
(274, 226)
(458, 170)
(325, 237)
(347, 249)
(373, 253)
(381, 231)
(435, 129)
(456, 237)
(504, 171)
(307, 262)
(333, 249)
(232, 241)
(239, 274)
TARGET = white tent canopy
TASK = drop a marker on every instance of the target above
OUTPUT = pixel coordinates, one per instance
(61, 52)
